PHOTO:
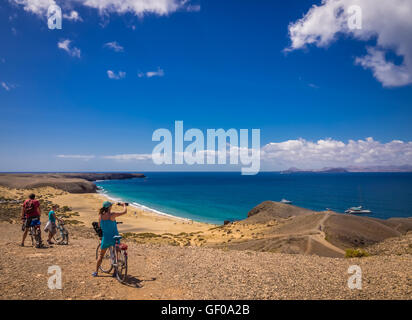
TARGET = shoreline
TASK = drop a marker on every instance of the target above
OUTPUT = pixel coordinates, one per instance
(85, 207)
(143, 207)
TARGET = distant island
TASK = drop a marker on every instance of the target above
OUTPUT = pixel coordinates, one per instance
(404, 168)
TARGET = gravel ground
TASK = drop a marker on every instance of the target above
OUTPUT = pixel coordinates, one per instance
(170, 272)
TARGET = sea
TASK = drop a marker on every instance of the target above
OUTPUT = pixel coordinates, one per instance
(214, 197)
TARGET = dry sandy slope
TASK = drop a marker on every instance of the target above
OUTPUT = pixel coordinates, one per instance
(71, 182)
(169, 272)
(283, 228)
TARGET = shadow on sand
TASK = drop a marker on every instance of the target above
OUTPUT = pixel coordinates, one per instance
(131, 281)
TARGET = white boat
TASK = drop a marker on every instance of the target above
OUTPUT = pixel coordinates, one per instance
(358, 210)
(286, 201)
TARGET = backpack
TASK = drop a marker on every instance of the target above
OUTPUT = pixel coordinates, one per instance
(97, 229)
(29, 208)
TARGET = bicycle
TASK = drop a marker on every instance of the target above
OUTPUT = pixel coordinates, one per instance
(62, 237)
(115, 257)
(35, 232)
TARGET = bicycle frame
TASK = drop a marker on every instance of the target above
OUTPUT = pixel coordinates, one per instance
(114, 250)
(34, 230)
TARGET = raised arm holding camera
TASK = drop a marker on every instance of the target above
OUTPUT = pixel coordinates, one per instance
(108, 225)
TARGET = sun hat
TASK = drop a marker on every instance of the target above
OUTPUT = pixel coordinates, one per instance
(107, 204)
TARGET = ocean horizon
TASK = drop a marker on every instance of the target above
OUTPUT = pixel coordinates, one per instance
(213, 197)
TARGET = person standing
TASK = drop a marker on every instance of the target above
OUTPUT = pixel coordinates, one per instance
(108, 224)
(30, 210)
(51, 227)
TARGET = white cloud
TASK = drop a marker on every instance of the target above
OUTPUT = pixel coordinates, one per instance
(333, 153)
(66, 46)
(116, 76)
(76, 156)
(193, 8)
(306, 154)
(190, 7)
(129, 157)
(386, 72)
(150, 74)
(5, 86)
(314, 86)
(105, 7)
(114, 46)
(8, 86)
(137, 7)
(38, 7)
(387, 21)
(73, 16)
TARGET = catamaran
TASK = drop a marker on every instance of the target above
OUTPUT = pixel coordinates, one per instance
(358, 210)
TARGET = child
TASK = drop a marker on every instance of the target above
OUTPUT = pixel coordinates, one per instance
(51, 224)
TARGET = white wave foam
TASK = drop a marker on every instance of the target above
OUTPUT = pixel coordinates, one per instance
(141, 206)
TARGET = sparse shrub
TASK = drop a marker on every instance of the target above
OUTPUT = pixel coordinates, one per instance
(182, 234)
(75, 222)
(127, 235)
(356, 253)
(147, 235)
(66, 208)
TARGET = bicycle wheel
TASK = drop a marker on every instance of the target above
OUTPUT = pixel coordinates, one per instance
(66, 238)
(106, 265)
(37, 237)
(58, 237)
(31, 232)
(121, 266)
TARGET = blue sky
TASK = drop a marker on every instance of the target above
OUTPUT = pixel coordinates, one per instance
(216, 64)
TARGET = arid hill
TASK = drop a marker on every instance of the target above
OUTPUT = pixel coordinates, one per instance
(70, 182)
(289, 229)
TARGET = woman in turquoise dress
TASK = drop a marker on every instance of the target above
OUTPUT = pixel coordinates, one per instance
(108, 224)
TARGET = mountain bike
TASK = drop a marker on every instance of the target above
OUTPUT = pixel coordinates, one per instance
(115, 258)
(62, 236)
(35, 232)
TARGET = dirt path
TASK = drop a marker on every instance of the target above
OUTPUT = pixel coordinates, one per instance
(170, 272)
(320, 237)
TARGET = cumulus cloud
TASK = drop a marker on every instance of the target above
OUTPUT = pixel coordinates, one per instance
(136, 7)
(328, 152)
(38, 7)
(73, 16)
(305, 154)
(386, 21)
(150, 74)
(116, 76)
(76, 157)
(66, 46)
(114, 46)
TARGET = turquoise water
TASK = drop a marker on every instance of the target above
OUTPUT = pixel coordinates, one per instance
(215, 197)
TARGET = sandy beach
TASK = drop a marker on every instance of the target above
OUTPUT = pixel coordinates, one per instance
(87, 206)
